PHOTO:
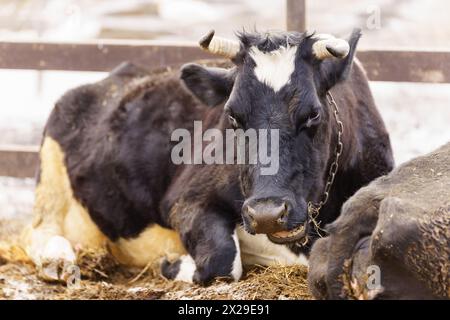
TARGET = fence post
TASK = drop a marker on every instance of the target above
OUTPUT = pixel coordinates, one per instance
(296, 15)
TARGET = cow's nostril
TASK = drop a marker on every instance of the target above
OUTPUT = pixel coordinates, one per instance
(251, 217)
(283, 214)
(266, 215)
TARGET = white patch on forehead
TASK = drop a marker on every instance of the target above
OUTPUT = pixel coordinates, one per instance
(276, 67)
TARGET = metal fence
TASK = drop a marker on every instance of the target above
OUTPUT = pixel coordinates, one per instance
(20, 161)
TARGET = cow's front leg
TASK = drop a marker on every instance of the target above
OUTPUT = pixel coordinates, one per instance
(212, 243)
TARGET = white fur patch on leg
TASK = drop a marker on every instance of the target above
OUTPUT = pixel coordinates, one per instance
(236, 270)
(187, 269)
(276, 67)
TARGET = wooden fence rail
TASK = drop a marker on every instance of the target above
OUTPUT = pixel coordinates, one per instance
(381, 65)
(18, 161)
(98, 56)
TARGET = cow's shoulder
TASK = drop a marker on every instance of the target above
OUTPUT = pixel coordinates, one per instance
(413, 241)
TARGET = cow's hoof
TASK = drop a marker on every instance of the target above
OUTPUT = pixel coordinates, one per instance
(182, 269)
(54, 271)
(185, 269)
(56, 259)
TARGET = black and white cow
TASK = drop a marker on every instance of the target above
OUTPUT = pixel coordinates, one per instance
(107, 177)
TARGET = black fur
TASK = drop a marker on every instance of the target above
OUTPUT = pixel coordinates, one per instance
(116, 137)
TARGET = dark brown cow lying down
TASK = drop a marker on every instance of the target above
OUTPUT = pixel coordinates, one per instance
(392, 240)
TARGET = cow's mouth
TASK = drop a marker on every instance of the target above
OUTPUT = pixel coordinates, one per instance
(295, 235)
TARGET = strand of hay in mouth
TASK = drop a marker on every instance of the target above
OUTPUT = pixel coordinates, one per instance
(316, 224)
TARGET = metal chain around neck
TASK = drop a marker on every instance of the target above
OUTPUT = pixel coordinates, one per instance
(314, 208)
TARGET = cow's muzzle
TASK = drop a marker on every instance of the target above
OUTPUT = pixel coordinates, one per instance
(270, 216)
(298, 235)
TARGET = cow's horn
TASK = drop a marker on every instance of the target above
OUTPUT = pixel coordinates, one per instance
(328, 46)
(218, 45)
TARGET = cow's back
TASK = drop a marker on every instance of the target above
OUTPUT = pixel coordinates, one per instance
(115, 135)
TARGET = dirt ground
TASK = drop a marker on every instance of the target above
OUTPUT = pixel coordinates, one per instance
(103, 278)
(19, 281)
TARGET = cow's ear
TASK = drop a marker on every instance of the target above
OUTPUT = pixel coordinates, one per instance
(210, 85)
(334, 70)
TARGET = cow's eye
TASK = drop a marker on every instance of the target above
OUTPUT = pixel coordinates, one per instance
(313, 119)
(234, 123)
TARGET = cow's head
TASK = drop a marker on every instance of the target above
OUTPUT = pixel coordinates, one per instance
(279, 81)
(379, 258)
